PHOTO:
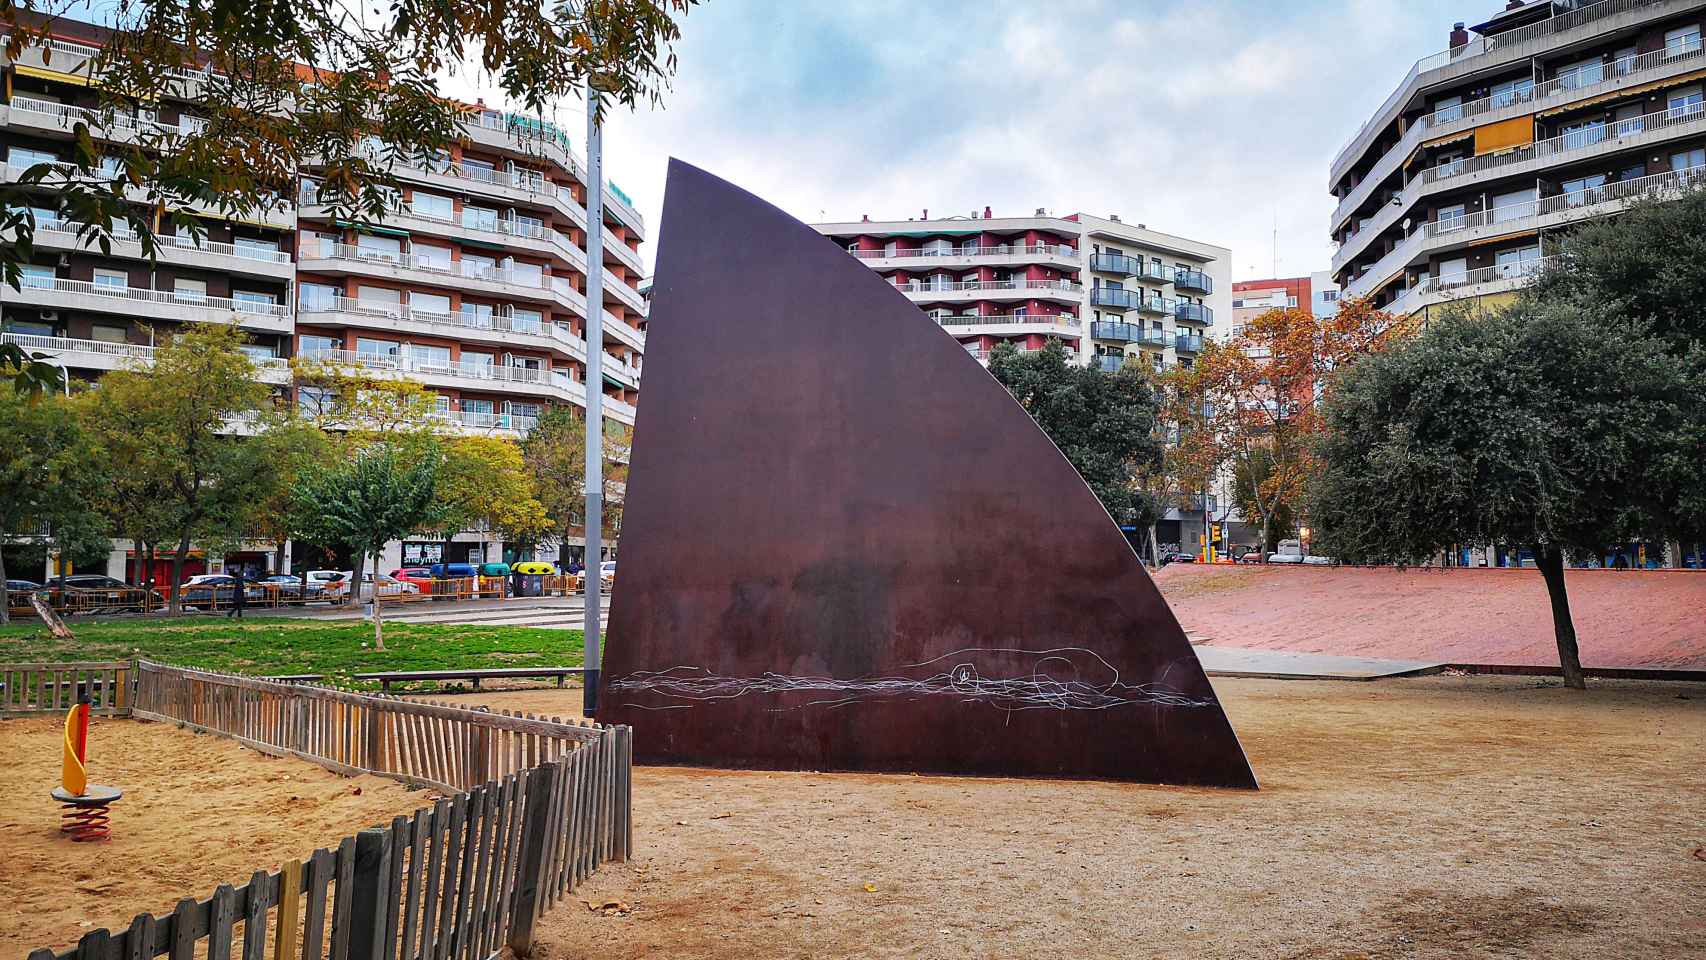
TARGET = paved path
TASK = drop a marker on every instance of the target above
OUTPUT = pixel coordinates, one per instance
(1239, 662)
(561, 613)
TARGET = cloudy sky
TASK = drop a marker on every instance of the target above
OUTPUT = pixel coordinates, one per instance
(1212, 119)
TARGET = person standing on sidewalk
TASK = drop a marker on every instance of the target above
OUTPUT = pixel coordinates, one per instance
(239, 598)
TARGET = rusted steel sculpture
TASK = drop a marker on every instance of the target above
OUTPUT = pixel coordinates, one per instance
(846, 547)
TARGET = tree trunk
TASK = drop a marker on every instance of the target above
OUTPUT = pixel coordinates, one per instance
(378, 626)
(175, 606)
(278, 556)
(354, 598)
(1550, 560)
(5, 597)
(1154, 549)
(1266, 534)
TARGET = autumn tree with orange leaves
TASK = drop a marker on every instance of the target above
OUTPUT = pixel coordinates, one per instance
(1252, 403)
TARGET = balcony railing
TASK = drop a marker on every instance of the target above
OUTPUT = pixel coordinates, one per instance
(115, 292)
(1187, 343)
(71, 231)
(1187, 279)
(400, 363)
(984, 319)
(1155, 338)
(1194, 313)
(1154, 272)
(989, 285)
(1161, 306)
(452, 321)
(999, 250)
(1114, 298)
(1109, 363)
(1454, 285)
(1116, 332)
(409, 261)
(107, 122)
(141, 353)
(1568, 142)
(1114, 263)
(480, 420)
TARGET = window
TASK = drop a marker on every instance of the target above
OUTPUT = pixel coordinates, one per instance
(471, 405)
(1291, 301)
(1583, 134)
(1449, 109)
(314, 401)
(528, 274)
(1515, 263)
(480, 218)
(479, 170)
(433, 303)
(376, 348)
(1682, 41)
(1514, 206)
(477, 315)
(429, 355)
(186, 289)
(108, 334)
(389, 249)
(111, 278)
(1453, 271)
(1581, 74)
(316, 296)
(255, 248)
(26, 157)
(253, 301)
(477, 361)
(311, 345)
(379, 298)
(431, 257)
(1329, 296)
(434, 206)
(1685, 101)
(1512, 91)
(1579, 189)
(474, 265)
(938, 248)
(1688, 159)
(259, 352)
(528, 320)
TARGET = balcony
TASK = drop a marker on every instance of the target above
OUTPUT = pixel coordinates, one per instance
(1113, 298)
(1188, 343)
(101, 355)
(1115, 332)
(1154, 272)
(1193, 280)
(1157, 306)
(1109, 363)
(489, 328)
(479, 422)
(57, 293)
(1008, 324)
(1580, 83)
(329, 257)
(1155, 338)
(1520, 218)
(208, 254)
(985, 289)
(1470, 283)
(1194, 313)
(1113, 263)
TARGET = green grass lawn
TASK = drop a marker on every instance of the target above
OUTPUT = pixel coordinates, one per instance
(281, 645)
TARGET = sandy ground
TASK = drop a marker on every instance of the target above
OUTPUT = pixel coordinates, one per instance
(197, 811)
(1646, 618)
(1442, 817)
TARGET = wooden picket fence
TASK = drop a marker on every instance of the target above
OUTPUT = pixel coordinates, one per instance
(539, 804)
(27, 688)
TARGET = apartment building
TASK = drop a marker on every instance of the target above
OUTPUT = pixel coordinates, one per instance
(1106, 289)
(1252, 298)
(1323, 294)
(475, 286)
(1548, 112)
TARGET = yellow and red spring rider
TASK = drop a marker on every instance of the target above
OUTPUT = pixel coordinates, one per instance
(83, 805)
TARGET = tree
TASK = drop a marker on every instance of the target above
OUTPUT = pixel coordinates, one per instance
(1531, 426)
(175, 423)
(1246, 485)
(486, 485)
(368, 101)
(554, 453)
(1260, 393)
(368, 500)
(363, 405)
(49, 475)
(30, 373)
(1103, 422)
(289, 447)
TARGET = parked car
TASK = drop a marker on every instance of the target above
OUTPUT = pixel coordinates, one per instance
(288, 586)
(332, 585)
(388, 586)
(1285, 558)
(99, 593)
(1177, 556)
(419, 576)
(25, 586)
(452, 571)
(218, 589)
(607, 574)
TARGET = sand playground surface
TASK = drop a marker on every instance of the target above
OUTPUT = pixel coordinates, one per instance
(1438, 817)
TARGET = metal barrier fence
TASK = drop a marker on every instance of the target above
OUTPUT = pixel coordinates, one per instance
(539, 805)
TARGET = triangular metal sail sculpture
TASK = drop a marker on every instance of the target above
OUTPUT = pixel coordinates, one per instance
(846, 547)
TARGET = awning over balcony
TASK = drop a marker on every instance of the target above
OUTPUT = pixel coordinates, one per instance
(1625, 92)
(370, 228)
(42, 73)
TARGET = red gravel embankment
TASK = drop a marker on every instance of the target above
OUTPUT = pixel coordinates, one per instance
(1646, 618)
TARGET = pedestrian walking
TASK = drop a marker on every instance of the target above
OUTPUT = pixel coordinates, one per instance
(239, 598)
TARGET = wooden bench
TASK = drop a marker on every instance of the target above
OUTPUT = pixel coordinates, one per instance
(387, 678)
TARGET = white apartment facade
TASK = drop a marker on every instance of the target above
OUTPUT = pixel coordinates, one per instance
(476, 287)
(1547, 113)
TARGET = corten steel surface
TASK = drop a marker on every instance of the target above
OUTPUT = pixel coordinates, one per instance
(846, 547)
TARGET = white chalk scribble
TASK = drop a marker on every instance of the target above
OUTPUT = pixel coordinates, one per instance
(1064, 678)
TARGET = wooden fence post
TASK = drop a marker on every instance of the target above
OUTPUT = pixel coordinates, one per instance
(529, 879)
(370, 894)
